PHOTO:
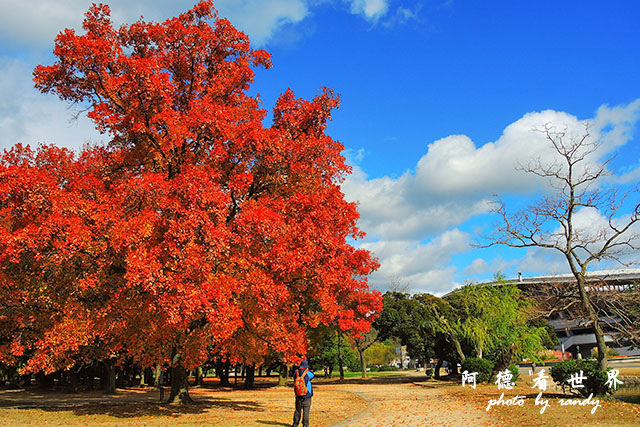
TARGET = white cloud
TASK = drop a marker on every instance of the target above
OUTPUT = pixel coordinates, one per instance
(453, 182)
(541, 261)
(478, 267)
(620, 121)
(354, 157)
(422, 266)
(402, 15)
(35, 23)
(370, 9)
(589, 223)
(395, 209)
(454, 179)
(261, 19)
(406, 14)
(455, 166)
(592, 229)
(29, 117)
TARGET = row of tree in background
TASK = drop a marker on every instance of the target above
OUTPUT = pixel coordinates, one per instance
(493, 321)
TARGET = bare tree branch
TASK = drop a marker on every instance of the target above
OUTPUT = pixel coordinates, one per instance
(577, 178)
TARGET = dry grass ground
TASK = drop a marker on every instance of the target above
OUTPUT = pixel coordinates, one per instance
(406, 399)
(265, 405)
(608, 413)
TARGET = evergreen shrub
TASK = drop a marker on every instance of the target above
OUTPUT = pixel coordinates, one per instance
(595, 381)
(514, 371)
(483, 367)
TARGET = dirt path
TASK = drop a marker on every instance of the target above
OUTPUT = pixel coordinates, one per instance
(411, 404)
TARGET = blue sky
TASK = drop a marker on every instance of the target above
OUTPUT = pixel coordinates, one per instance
(438, 102)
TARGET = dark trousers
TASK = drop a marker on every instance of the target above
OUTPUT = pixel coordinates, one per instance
(303, 404)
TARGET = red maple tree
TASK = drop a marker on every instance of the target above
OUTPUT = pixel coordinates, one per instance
(55, 251)
(197, 228)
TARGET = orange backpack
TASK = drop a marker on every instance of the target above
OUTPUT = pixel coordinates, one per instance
(299, 385)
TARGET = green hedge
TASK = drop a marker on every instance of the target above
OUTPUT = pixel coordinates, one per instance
(514, 372)
(483, 367)
(595, 381)
(384, 368)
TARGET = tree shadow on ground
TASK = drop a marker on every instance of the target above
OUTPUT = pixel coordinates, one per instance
(257, 386)
(272, 423)
(139, 409)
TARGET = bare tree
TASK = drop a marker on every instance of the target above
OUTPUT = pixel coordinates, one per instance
(618, 305)
(550, 222)
(621, 310)
(399, 284)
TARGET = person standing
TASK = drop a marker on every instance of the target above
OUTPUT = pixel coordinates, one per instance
(304, 392)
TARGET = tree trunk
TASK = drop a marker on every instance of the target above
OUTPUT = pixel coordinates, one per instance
(602, 345)
(87, 376)
(235, 375)
(148, 376)
(458, 348)
(103, 377)
(451, 334)
(157, 378)
(110, 373)
(13, 377)
(284, 375)
(25, 380)
(363, 365)
(340, 363)
(250, 376)
(120, 377)
(199, 377)
(436, 373)
(222, 371)
(58, 378)
(179, 385)
(73, 381)
(141, 382)
(41, 378)
(593, 317)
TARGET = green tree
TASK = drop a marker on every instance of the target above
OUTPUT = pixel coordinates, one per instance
(328, 350)
(380, 353)
(362, 343)
(496, 320)
(549, 337)
(404, 318)
(422, 322)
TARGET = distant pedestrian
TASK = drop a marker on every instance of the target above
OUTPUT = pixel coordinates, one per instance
(302, 387)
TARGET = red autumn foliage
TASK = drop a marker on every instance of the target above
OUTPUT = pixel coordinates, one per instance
(197, 228)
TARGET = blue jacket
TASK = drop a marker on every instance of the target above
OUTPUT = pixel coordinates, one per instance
(307, 378)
